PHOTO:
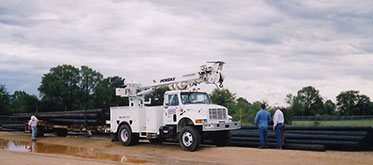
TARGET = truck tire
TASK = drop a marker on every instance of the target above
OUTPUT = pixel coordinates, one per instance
(222, 138)
(189, 138)
(126, 137)
(61, 132)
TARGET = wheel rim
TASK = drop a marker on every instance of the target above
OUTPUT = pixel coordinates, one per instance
(124, 135)
(187, 139)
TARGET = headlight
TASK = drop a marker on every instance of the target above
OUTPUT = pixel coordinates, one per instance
(200, 121)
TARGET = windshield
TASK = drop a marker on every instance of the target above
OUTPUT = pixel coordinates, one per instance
(194, 98)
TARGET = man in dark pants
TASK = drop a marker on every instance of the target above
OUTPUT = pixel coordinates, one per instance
(262, 119)
(278, 123)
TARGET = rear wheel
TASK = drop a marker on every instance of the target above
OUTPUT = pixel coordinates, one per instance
(126, 137)
(189, 138)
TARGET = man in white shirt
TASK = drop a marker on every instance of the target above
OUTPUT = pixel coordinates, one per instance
(278, 123)
(33, 123)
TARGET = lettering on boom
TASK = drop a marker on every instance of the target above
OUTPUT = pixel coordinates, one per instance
(167, 80)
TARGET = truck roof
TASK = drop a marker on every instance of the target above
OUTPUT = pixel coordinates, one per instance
(181, 91)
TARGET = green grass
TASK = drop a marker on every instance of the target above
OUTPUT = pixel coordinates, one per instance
(334, 123)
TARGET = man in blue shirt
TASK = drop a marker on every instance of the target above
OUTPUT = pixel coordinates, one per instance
(262, 119)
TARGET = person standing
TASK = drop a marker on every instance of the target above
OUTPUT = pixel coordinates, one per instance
(262, 119)
(33, 123)
(278, 124)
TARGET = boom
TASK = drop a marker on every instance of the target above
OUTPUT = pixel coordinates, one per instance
(207, 74)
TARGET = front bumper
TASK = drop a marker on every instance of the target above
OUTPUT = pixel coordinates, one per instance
(221, 126)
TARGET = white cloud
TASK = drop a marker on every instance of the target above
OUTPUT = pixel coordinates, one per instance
(272, 48)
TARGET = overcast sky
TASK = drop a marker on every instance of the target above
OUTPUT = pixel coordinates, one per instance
(271, 47)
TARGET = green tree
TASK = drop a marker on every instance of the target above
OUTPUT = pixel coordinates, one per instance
(157, 96)
(296, 107)
(363, 105)
(59, 88)
(225, 98)
(89, 79)
(68, 88)
(307, 102)
(242, 105)
(222, 97)
(253, 109)
(370, 109)
(22, 102)
(310, 98)
(352, 103)
(4, 100)
(329, 107)
(104, 93)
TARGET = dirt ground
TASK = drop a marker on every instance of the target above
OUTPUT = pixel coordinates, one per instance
(146, 153)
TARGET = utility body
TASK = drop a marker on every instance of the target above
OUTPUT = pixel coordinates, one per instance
(187, 115)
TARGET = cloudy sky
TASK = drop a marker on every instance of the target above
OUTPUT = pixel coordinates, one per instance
(271, 47)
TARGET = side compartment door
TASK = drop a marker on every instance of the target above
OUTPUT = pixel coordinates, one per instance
(172, 108)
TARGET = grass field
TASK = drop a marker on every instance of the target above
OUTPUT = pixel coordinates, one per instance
(334, 123)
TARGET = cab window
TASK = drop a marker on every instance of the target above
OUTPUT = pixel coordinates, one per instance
(173, 100)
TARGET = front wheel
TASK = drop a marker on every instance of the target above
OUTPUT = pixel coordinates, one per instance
(189, 138)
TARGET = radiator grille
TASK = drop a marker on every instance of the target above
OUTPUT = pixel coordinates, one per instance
(217, 113)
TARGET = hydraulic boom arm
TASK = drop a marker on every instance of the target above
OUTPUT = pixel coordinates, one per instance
(207, 74)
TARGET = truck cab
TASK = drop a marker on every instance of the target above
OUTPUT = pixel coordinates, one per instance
(196, 106)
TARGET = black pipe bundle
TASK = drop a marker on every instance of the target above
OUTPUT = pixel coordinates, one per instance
(322, 138)
(93, 113)
(73, 120)
(19, 126)
(60, 112)
(93, 116)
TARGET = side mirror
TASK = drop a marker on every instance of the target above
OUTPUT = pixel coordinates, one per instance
(165, 105)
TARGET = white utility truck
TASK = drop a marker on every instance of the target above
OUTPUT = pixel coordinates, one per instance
(187, 115)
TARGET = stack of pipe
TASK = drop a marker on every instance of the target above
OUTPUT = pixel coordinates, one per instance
(91, 117)
(8, 124)
(310, 138)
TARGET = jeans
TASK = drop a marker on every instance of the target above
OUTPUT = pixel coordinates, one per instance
(278, 132)
(263, 137)
(33, 130)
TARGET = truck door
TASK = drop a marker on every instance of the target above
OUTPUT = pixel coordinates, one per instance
(172, 108)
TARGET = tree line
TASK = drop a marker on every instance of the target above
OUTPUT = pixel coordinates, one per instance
(66, 88)
(307, 102)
